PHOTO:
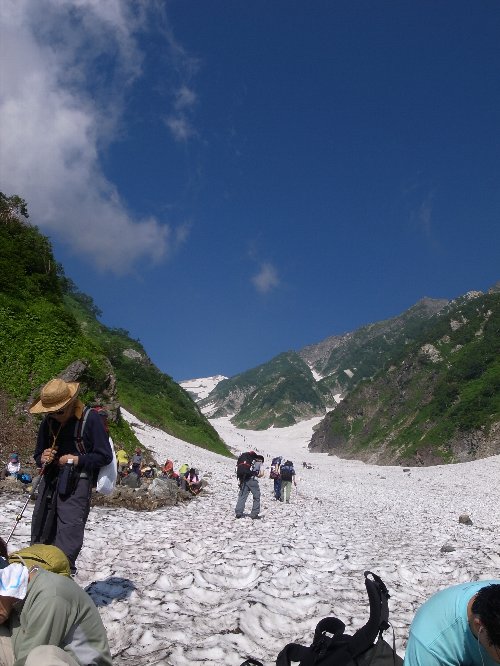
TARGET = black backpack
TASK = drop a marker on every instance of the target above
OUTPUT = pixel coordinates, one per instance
(244, 465)
(287, 471)
(331, 647)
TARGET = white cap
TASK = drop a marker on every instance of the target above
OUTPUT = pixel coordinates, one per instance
(14, 581)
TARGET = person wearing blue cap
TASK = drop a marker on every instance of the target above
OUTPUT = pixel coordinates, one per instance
(13, 466)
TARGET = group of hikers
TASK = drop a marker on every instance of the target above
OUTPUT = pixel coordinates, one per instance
(130, 472)
(249, 468)
(47, 619)
(187, 478)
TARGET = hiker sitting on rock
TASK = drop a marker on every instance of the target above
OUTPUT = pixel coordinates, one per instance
(149, 471)
(122, 461)
(457, 626)
(168, 468)
(47, 619)
(136, 462)
(13, 467)
(192, 481)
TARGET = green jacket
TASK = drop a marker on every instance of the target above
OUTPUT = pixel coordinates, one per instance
(56, 611)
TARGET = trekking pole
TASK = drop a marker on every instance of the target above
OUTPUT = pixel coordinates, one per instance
(20, 515)
(34, 486)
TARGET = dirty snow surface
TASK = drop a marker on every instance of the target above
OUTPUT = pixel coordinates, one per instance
(192, 585)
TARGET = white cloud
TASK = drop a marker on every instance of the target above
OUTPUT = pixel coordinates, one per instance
(57, 110)
(185, 98)
(180, 127)
(266, 279)
(179, 123)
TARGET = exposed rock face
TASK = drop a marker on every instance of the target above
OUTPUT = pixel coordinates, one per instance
(106, 391)
(133, 354)
(434, 404)
(431, 352)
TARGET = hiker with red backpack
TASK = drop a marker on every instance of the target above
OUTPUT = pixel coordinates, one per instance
(72, 446)
(248, 470)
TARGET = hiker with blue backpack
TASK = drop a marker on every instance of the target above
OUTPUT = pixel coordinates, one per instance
(287, 473)
(71, 448)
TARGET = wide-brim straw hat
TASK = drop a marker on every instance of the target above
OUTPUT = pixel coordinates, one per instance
(55, 395)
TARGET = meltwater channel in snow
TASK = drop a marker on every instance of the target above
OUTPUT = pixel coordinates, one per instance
(192, 585)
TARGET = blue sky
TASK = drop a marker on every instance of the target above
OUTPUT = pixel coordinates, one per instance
(229, 180)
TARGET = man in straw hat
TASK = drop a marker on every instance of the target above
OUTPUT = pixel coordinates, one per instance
(70, 456)
(48, 620)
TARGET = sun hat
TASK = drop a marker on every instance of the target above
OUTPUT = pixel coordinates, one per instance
(55, 395)
(14, 581)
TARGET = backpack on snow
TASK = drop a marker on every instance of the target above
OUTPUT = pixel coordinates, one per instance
(287, 471)
(275, 468)
(331, 647)
(245, 465)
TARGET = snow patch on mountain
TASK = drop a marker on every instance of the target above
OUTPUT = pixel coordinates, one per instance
(202, 387)
(316, 374)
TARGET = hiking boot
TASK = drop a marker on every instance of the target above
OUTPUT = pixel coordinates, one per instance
(239, 515)
(256, 517)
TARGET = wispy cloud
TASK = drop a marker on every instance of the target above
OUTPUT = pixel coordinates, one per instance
(59, 107)
(185, 98)
(266, 279)
(180, 127)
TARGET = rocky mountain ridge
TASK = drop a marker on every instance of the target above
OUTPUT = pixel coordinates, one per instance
(298, 385)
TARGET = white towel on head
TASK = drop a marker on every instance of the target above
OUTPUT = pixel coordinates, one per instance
(14, 581)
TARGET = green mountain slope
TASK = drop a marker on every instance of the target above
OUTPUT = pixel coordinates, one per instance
(278, 393)
(48, 328)
(438, 400)
(284, 390)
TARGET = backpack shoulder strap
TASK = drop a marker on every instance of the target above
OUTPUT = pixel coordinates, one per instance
(79, 430)
(378, 621)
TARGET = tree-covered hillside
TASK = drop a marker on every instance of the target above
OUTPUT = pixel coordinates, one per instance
(48, 327)
(436, 401)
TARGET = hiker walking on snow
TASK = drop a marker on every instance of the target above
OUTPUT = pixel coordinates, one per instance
(287, 477)
(275, 474)
(248, 470)
(72, 446)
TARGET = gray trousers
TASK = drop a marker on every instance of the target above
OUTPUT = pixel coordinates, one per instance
(72, 512)
(249, 486)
